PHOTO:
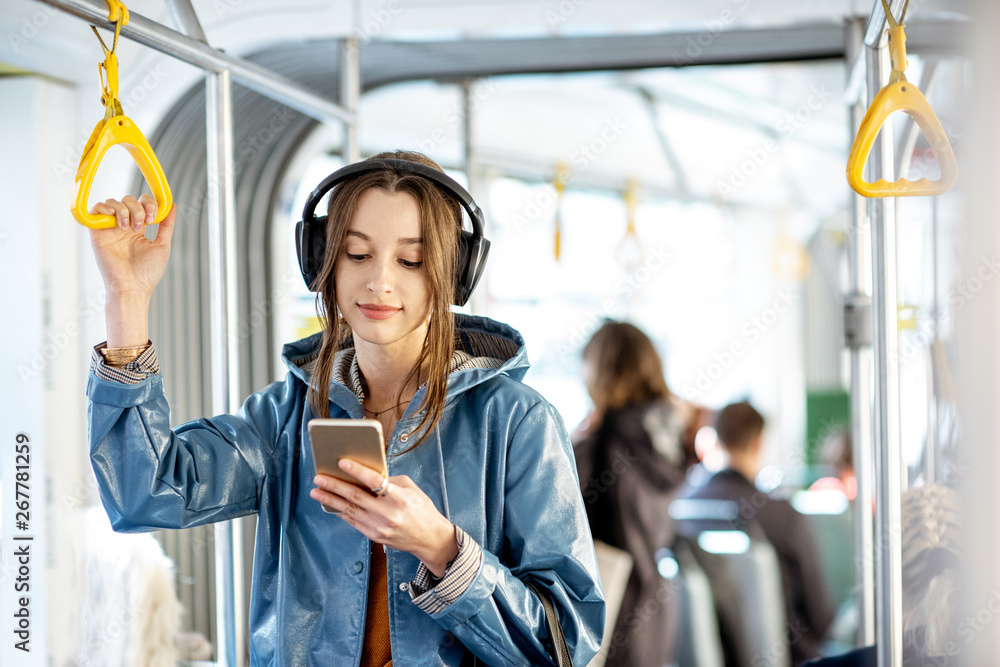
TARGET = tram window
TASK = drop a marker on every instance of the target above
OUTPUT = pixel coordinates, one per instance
(930, 290)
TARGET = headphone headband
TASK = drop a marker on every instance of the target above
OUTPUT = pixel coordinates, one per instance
(441, 179)
(310, 232)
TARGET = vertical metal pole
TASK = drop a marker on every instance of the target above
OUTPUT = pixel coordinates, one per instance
(931, 441)
(225, 350)
(881, 214)
(859, 285)
(471, 158)
(468, 140)
(350, 83)
(350, 94)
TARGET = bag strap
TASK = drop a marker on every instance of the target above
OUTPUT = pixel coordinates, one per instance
(559, 647)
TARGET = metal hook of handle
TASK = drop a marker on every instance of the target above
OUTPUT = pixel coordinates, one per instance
(893, 23)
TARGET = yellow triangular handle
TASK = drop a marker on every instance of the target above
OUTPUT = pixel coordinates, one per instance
(559, 183)
(901, 96)
(118, 130)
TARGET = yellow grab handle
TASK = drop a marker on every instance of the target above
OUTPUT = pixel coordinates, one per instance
(559, 183)
(118, 130)
(901, 96)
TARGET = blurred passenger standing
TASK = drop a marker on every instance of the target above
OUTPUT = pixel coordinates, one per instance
(809, 610)
(630, 459)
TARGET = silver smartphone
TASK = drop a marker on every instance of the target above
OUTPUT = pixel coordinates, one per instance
(356, 439)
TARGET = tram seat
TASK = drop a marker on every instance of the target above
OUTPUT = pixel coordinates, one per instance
(615, 566)
(698, 640)
(829, 516)
(742, 568)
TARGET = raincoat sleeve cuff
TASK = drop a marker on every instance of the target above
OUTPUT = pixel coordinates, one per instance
(433, 595)
(143, 367)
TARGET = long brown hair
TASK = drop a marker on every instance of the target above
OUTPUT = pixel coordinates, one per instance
(440, 221)
(627, 367)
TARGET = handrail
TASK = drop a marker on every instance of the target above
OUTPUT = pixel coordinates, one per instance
(194, 52)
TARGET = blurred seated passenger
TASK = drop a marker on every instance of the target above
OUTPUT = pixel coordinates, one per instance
(697, 418)
(809, 610)
(630, 460)
(836, 452)
(709, 455)
(930, 542)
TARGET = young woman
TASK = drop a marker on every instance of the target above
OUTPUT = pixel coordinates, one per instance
(428, 568)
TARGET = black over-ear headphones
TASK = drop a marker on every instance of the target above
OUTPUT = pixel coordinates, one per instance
(310, 232)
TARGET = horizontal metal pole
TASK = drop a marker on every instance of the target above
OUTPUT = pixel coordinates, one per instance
(390, 61)
(156, 36)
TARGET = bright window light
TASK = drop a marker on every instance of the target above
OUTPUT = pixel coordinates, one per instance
(724, 541)
(687, 509)
(667, 567)
(828, 501)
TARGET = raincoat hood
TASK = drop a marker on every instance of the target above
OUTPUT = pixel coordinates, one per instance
(488, 348)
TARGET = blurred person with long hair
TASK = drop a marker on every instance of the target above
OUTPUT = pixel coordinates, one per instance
(631, 461)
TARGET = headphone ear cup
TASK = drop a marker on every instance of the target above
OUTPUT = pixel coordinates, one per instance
(310, 245)
(472, 253)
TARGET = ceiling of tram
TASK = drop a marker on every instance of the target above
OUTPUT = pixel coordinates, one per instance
(41, 38)
(704, 134)
(693, 134)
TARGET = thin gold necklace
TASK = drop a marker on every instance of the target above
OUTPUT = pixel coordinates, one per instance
(382, 412)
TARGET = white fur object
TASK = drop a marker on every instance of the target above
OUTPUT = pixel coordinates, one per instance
(129, 615)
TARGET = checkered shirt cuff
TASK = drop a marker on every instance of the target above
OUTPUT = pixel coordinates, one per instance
(433, 595)
(141, 368)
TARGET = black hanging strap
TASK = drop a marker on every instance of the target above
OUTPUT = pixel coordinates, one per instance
(559, 647)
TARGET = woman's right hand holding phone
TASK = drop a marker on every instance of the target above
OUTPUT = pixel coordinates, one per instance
(130, 264)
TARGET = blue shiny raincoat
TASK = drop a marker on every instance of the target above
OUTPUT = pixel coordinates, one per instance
(498, 464)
